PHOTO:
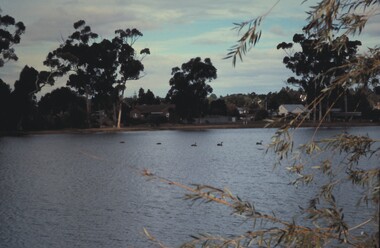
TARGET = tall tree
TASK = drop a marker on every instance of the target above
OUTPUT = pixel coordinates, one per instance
(313, 64)
(98, 69)
(22, 99)
(189, 88)
(10, 34)
(5, 92)
(78, 58)
(130, 62)
(91, 65)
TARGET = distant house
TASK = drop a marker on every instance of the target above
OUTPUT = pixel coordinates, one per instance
(292, 109)
(242, 111)
(376, 106)
(145, 111)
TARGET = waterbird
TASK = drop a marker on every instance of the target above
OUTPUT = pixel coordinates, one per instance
(259, 143)
(220, 144)
(158, 143)
(195, 144)
(122, 142)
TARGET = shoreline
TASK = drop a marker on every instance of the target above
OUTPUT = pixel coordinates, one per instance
(190, 127)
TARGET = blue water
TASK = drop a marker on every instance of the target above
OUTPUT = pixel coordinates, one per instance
(86, 190)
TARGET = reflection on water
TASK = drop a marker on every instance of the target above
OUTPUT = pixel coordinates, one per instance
(85, 190)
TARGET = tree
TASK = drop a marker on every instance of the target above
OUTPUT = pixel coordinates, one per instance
(130, 65)
(5, 92)
(324, 224)
(314, 61)
(218, 107)
(284, 96)
(212, 97)
(147, 97)
(22, 99)
(98, 70)
(189, 88)
(63, 108)
(240, 100)
(77, 56)
(10, 34)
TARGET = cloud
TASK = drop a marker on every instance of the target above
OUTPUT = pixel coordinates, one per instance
(175, 31)
(221, 36)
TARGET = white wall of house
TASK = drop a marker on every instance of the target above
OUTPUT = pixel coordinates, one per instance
(295, 109)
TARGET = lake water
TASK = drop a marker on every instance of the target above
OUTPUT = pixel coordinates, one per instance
(86, 190)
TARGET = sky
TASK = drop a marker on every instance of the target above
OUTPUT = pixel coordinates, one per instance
(175, 31)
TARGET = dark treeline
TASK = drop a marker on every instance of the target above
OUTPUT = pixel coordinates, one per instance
(97, 71)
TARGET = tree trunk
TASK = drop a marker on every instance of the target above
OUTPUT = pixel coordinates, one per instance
(88, 109)
(120, 108)
(114, 114)
(119, 115)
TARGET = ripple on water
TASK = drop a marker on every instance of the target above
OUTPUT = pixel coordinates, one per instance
(86, 190)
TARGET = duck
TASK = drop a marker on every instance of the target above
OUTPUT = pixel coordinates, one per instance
(220, 144)
(195, 144)
(259, 143)
(158, 143)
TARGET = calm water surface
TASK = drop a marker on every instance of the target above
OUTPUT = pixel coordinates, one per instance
(86, 190)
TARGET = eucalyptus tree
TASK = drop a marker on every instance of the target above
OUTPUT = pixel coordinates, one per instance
(130, 65)
(312, 65)
(315, 162)
(189, 88)
(10, 34)
(91, 65)
(76, 57)
(98, 69)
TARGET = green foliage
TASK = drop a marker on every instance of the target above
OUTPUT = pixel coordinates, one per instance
(62, 108)
(147, 97)
(10, 34)
(250, 37)
(314, 68)
(5, 92)
(218, 107)
(189, 88)
(261, 115)
(22, 102)
(129, 64)
(91, 66)
(98, 69)
(284, 96)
